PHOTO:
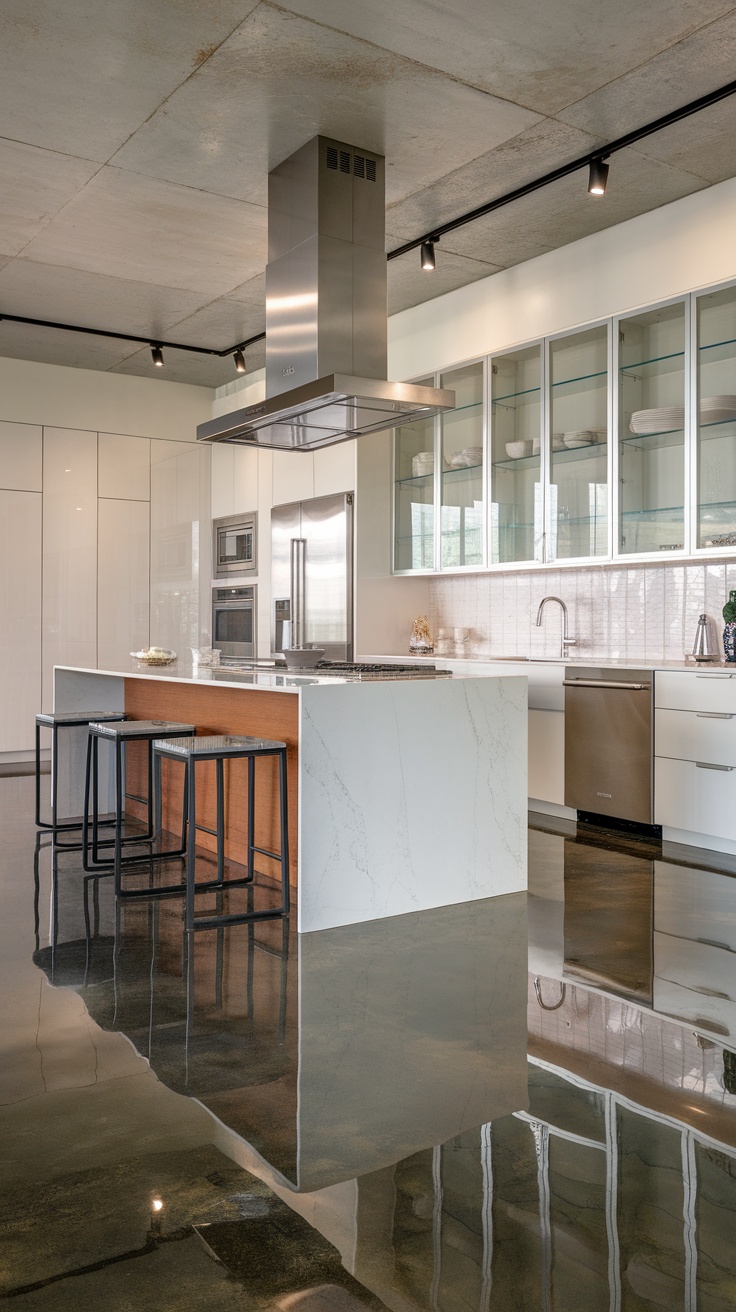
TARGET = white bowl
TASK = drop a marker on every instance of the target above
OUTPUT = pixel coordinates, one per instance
(517, 450)
(303, 658)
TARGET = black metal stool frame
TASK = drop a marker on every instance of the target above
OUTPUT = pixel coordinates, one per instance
(114, 865)
(219, 755)
(73, 722)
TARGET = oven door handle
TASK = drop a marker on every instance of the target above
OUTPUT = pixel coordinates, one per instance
(606, 683)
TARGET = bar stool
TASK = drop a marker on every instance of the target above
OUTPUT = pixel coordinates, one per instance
(56, 720)
(119, 735)
(221, 748)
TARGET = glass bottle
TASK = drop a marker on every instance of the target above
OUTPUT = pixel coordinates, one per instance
(729, 628)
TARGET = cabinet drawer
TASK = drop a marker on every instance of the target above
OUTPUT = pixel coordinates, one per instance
(695, 736)
(701, 690)
(688, 797)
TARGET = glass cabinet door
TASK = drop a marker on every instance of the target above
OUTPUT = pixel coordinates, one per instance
(578, 485)
(461, 510)
(516, 433)
(414, 451)
(716, 429)
(651, 393)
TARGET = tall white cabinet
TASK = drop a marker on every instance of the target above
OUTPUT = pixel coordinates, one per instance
(104, 542)
(20, 582)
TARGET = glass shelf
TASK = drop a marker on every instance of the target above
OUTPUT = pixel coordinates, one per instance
(415, 478)
(462, 469)
(655, 359)
(513, 396)
(582, 378)
(712, 346)
(567, 456)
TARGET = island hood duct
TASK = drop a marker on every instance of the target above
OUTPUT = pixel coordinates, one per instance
(326, 318)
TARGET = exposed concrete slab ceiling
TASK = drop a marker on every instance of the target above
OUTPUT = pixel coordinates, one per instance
(136, 144)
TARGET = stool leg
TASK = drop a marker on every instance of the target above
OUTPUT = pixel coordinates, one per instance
(119, 792)
(157, 822)
(251, 816)
(54, 774)
(85, 812)
(285, 892)
(184, 814)
(220, 822)
(149, 834)
(191, 849)
(95, 798)
(38, 774)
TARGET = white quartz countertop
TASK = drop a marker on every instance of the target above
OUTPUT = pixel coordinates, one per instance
(183, 671)
(464, 664)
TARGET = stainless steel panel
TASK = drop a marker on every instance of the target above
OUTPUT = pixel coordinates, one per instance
(327, 525)
(234, 545)
(608, 743)
(285, 525)
(234, 621)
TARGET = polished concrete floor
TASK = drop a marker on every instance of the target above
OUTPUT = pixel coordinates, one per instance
(396, 1115)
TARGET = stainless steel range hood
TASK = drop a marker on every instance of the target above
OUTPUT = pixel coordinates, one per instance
(326, 321)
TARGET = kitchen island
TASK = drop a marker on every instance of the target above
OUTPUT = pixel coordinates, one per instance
(403, 794)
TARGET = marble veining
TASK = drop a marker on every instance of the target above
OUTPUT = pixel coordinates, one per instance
(430, 811)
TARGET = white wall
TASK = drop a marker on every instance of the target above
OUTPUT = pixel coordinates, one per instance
(675, 249)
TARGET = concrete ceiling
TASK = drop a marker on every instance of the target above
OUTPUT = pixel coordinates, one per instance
(137, 139)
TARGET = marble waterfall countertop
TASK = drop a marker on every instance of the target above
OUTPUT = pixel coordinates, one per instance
(412, 793)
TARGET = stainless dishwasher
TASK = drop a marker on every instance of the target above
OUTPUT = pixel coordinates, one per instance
(609, 742)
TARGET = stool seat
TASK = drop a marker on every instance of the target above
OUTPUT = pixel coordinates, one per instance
(68, 718)
(218, 745)
(139, 729)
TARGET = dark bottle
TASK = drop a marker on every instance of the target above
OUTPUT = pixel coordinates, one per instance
(729, 628)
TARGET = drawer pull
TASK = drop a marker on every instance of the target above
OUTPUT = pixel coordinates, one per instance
(701, 765)
(715, 674)
(605, 683)
(714, 715)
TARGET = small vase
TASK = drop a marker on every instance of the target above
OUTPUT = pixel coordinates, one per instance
(729, 640)
(420, 647)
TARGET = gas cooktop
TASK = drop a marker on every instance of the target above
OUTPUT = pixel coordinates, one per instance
(352, 670)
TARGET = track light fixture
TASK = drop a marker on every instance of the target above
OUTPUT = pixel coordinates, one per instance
(597, 177)
(157, 355)
(427, 255)
(239, 359)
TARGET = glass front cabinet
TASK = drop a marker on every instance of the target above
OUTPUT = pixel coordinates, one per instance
(616, 441)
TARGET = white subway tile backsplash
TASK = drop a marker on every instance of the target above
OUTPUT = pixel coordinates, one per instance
(632, 612)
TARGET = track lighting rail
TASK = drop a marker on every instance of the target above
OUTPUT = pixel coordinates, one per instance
(593, 161)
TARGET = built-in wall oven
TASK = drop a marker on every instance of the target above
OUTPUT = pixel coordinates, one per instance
(234, 620)
(234, 540)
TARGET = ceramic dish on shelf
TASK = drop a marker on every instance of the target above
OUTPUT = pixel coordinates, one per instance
(717, 409)
(578, 437)
(423, 464)
(558, 442)
(662, 419)
(517, 450)
(467, 459)
(154, 656)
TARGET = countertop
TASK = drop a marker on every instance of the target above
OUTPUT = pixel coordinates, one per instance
(592, 662)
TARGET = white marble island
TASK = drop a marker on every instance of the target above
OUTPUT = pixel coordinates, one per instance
(407, 794)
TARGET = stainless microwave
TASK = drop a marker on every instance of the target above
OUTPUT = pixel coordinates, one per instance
(234, 545)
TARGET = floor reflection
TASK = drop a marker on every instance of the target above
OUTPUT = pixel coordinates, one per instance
(266, 1090)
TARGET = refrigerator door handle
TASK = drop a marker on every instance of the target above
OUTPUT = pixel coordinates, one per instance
(298, 563)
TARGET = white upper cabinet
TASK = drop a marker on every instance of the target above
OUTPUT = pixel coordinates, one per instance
(21, 459)
(124, 467)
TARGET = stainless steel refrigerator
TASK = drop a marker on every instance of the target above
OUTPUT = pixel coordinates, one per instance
(312, 576)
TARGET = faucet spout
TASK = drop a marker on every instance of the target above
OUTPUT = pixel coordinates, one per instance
(566, 641)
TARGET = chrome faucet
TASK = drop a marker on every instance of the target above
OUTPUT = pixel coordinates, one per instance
(566, 641)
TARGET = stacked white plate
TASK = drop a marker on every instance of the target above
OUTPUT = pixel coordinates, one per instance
(579, 437)
(471, 455)
(662, 419)
(717, 409)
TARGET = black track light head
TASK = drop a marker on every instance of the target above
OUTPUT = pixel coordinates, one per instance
(239, 359)
(427, 255)
(157, 355)
(597, 177)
